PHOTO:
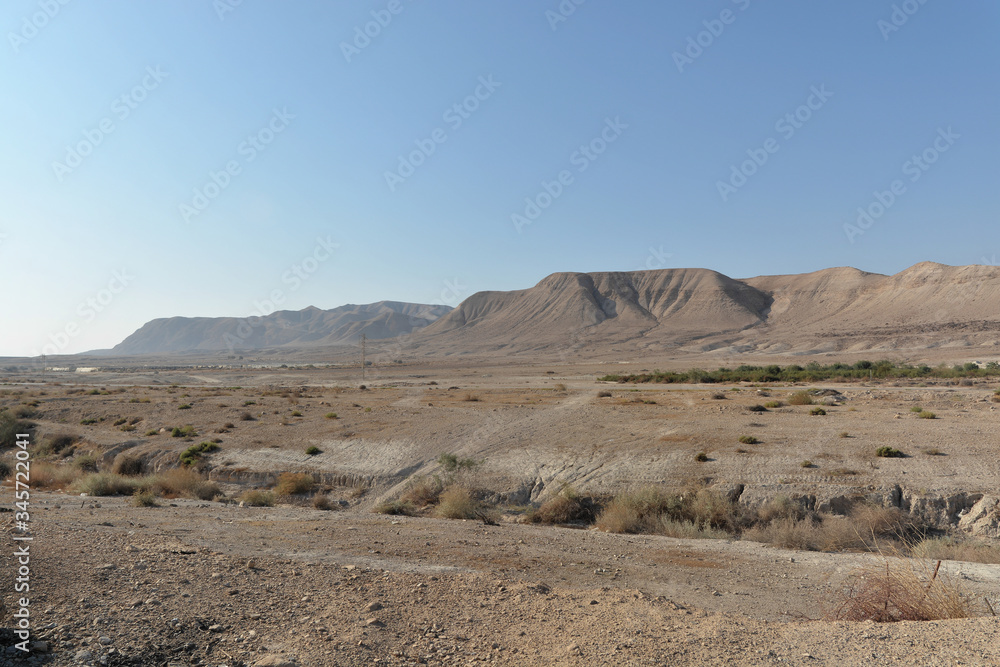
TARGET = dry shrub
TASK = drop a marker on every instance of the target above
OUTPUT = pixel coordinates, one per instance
(948, 548)
(129, 465)
(396, 507)
(688, 530)
(294, 483)
(457, 502)
(636, 511)
(46, 475)
(144, 498)
(257, 498)
(185, 482)
(800, 398)
(873, 522)
(321, 501)
(105, 484)
(565, 507)
(902, 593)
(423, 492)
(830, 534)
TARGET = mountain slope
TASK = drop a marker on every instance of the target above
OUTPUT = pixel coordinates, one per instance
(309, 327)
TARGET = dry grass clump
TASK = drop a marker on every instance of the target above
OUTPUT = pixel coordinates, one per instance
(458, 502)
(800, 398)
(257, 498)
(654, 510)
(926, 414)
(56, 444)
(898, 592)
(129, 465)
(106, 484)
(565, 507)
(294, 483)
(422, 492)
(949, 548)
(785, 524)
(185, 482)
(472, 398)
(144, 498)
(45, 475)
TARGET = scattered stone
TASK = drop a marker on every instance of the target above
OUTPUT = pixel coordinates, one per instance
(215, 628)
(374, 606)
(374, 622)
(84, 656)
(105, 640)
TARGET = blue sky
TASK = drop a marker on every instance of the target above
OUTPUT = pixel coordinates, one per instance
(473, 146)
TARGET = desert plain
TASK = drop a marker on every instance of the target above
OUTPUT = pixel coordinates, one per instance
(240, 570)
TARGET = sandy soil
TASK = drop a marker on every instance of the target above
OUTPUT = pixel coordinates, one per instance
(206, 583)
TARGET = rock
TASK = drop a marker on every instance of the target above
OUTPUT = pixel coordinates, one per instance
(374, 606)
(374, 622)
(105, 640)
(983, 518)
(84, 656)
(275, 661)
(40, 647)
(215, 628)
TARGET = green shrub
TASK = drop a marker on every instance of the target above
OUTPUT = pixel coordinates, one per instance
(817, 412)
(313, 450)
(119, 422)
(916, 408)
(888, 452)
(773, 404)
(806, 464)
(451, 463)
(87, 421)
(296, 413)
(757, 408)
(185, 406)
(190, 455)
(183, 432)
(151, 432)
(331, 415)
(749, 440)
(701, 457)
(925, 414)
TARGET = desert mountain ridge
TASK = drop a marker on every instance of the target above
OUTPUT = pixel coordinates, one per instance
(309, 327)
(684, 310)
